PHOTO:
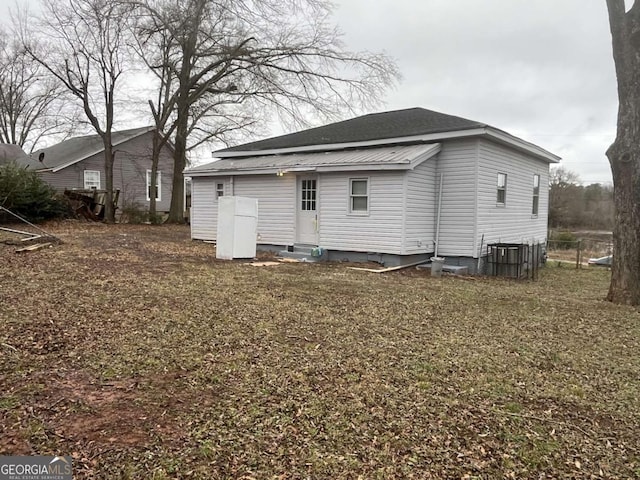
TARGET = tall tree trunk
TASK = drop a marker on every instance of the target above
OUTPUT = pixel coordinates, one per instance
(624, 154)
(153, 187)
(176, 210)
(109, 156)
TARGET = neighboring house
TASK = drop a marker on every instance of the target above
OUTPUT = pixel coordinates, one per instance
(392, 187)
(78, 163)
(10, 152)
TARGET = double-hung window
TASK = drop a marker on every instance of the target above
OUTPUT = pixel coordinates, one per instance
(358, 195)
(158, 189)
(501, 198)
(219, 190)
(91, 179)
(536, 194)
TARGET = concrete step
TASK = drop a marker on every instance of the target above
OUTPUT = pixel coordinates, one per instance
(300, 256)
(455, 269)
(303, 248)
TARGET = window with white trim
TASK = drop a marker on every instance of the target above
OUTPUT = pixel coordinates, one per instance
(308, 192)
(501, 198)
(536, 194)
(358, 195)
(158, 185)
(219, 190)
(91, 179)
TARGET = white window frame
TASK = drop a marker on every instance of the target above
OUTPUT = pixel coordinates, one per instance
(502, 188)
(91, 183)
(535, 207)
(308, 203)
(158, 185)
(219, 191)
(352, 196)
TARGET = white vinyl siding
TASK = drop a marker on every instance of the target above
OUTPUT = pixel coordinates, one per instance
(91, 179)
(420, 209)
(457, 163)
(514, 222)
(380, 231)
(276, 205)
(204, 208)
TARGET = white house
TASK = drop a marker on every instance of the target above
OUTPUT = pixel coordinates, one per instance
(393, 187)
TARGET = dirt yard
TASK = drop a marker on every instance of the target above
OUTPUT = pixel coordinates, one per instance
(133, 350)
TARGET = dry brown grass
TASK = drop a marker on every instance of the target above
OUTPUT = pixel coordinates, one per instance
(134, 350)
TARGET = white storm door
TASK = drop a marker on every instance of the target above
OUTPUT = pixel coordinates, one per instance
(307, 213)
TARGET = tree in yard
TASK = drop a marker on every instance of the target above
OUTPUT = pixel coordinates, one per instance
(31, 102)
(624, 154)
(86, 51)
(227, 64)
(565, 202)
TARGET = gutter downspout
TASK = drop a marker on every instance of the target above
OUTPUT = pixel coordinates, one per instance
(435, 254)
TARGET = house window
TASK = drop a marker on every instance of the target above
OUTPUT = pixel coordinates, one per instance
(91, 179)
(536, 194)
(502, 189)
(308, 192)
(158, 185)
(219, 190)
(359, 195)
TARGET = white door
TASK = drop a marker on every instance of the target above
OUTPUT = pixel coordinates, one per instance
(307, 214)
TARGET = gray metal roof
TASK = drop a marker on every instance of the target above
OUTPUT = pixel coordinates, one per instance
(374, 158)
(76, 149)
(9, 152)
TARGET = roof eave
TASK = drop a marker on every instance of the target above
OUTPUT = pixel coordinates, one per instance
(487, 131)
(84, 157)
(318, 168)
(520, 144)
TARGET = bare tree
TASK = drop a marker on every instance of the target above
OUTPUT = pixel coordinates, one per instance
(31, 102)
(231, 62)
(624, 154)
(86, 52)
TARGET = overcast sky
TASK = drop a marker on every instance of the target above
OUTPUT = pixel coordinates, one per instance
(541, 70)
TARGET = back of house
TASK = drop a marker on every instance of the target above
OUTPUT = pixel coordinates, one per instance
(79, 164)
(393, 187)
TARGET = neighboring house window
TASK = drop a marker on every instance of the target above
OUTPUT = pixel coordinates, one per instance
(158, 185)
(536, 194)
(502, 189)
(219, 190)
(359, 195)
(91, 179)
(308, 193)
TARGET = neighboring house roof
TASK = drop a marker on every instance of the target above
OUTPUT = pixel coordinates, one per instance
(9, 152)
(74, 150)
(396, 157)
(412, 125)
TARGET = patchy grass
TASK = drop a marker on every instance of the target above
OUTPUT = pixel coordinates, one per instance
(134, 350)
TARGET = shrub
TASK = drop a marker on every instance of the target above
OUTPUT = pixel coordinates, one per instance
(24, 193)
(564, 240)
(133, 213)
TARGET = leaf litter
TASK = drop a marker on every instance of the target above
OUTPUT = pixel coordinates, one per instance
(136, 351)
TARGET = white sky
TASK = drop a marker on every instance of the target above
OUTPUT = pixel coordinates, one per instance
(541, 70)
